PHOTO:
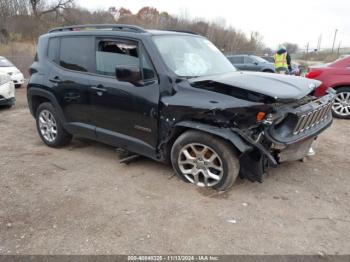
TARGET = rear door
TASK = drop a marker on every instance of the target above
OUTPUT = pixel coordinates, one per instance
(238, 62)
(69, 76)
(124, 114)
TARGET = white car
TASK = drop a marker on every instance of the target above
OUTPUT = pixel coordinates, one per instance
(7, 91)
(7, 67)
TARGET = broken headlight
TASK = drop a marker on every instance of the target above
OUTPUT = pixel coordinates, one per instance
(273, 119)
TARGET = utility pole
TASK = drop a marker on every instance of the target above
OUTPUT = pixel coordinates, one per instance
(319, 43)
(335, 35)
(307, 48)
(339, 48)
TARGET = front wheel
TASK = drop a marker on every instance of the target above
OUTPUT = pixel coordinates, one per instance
(341, 106)
(205, 160)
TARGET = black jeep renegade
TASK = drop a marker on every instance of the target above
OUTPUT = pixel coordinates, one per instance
(171, 96)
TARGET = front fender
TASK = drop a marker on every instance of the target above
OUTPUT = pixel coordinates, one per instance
(225, 133)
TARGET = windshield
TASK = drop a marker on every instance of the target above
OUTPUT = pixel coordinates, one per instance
(5, 63)
(192, 56)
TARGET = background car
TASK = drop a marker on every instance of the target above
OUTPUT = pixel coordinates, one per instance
(270, 59)
(337, 76)
(7, 91)
(7, 67)
(251, 63)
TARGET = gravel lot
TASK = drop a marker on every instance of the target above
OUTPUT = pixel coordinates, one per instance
(81, 200)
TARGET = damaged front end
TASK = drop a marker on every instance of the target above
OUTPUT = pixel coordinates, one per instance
(285, 133)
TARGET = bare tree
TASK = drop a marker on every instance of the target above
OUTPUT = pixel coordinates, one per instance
(291, 48)
(40, 7)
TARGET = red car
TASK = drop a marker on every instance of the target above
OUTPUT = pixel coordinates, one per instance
(337, 76)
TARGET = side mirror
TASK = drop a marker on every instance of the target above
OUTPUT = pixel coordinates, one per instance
(255, 63)
(128, 74)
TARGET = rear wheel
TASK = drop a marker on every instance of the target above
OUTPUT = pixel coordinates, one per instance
(341, 106)
(205, 160)
(50, 127)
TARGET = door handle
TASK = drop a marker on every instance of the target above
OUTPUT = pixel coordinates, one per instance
(56, 80)
(99, 88)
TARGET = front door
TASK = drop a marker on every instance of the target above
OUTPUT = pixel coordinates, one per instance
(125, 114)
(250, 64)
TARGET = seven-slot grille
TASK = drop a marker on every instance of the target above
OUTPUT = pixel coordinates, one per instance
(313, 118)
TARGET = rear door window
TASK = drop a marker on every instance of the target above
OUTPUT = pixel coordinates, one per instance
(237, 59)
(76, 53)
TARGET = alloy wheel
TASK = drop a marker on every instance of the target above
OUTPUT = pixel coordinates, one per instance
(341, 104)
(200, 165)
(47, 125)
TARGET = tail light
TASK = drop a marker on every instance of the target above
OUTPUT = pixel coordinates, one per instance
(313, 73)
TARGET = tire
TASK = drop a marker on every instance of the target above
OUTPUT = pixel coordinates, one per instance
(47, 119)
(201, 147)
(341, 106)
(268, 71)
(6, 106)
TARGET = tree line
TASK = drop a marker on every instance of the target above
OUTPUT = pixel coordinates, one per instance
(25, 20)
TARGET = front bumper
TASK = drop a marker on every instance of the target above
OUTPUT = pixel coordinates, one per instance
(8, 101)
(293, 137)
(303, 122)
(289, 140)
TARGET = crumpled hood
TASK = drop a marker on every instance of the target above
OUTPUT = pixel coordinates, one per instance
(279, 87)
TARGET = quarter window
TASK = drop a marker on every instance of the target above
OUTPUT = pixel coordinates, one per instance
(76, 53)
(53, 49)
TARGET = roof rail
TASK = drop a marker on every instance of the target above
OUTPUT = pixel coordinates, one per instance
(182, 31)
(116, 27)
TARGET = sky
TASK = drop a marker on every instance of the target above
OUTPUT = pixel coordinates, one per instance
(295, 21)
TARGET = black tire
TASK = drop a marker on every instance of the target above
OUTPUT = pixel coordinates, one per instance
(338, 115)
(268, 71)
(8, 106)
(224, 150)
(62, 136)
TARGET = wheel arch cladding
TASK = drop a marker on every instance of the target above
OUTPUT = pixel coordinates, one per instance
(224, 133)
(37, 96)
